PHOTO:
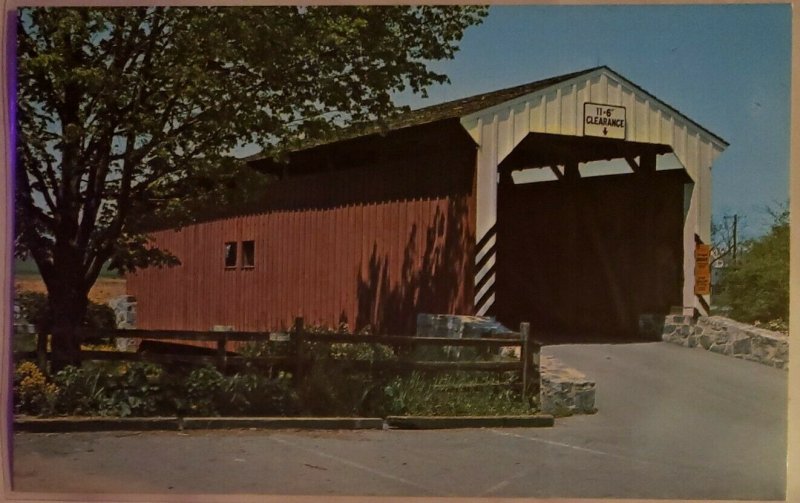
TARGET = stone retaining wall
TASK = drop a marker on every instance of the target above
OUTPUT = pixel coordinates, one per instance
(124, 308)
(565, 391)
(21, 325)
(446, 325)
(728, 337)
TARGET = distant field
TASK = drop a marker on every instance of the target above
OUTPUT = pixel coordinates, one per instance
(28, 268)
(27, 278)
(104, 290)
(25, 268)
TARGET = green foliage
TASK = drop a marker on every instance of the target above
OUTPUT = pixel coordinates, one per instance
(339, 379)
(145, 389)
(341, 382)
(260, 349)
(203, 385)
(208, 392)
(776, 325)
(756, 287)
(136, 392)
(23, 342)
(337, 385)
(137, 389)
(457, 394)
(99, 316)
(35, 308)
(331, 388)
(356, 351)
(82, 391)
(255, 394)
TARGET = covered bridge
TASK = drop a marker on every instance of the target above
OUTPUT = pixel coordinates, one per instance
(575, 203)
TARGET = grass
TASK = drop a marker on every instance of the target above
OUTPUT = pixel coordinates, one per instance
(455, 394)
(23, 342)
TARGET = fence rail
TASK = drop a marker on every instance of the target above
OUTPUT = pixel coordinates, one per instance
(299, 359)
(497, 340)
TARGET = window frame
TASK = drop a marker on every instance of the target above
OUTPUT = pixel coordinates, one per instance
(226, 255)
(244, 263)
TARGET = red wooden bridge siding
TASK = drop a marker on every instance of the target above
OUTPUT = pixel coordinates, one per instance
(372, 245)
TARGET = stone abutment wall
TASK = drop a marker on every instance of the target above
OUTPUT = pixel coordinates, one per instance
(728, 337)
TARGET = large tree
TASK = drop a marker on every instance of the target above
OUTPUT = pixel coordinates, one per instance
(124, 113)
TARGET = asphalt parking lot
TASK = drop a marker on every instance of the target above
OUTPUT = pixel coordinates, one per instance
(672, 423)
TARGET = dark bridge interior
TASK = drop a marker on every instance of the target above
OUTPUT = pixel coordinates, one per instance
(582, 258)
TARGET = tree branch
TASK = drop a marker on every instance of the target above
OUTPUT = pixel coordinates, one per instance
(34, 241)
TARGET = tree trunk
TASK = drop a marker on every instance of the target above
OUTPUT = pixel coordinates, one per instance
(68, 306)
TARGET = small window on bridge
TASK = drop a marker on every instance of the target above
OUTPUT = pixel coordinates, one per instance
(248, 254)
(230, 255)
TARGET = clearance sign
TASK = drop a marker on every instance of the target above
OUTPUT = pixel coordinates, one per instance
(606, 121)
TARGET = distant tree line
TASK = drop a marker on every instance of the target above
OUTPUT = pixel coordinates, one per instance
(755, 286)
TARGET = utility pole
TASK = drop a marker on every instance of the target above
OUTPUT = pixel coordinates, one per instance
(734, 238)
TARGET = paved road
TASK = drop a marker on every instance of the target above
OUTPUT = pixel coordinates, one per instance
(673, 423)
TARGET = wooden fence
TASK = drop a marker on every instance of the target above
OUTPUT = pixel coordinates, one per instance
(299, 358)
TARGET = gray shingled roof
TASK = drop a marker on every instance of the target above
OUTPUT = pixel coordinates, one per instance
(449, 110)
(454, 109)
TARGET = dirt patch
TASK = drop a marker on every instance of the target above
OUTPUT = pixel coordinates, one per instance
(103, 290)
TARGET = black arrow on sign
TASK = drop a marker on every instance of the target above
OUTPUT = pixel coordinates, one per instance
(605, 131)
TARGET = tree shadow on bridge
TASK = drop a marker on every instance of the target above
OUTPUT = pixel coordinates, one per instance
(432, 278)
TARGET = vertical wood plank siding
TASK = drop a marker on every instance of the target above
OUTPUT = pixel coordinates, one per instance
(373, 245)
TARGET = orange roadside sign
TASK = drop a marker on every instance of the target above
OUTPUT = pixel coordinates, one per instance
(702, 254)
(702, 269)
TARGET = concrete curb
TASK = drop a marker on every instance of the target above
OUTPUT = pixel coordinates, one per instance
(78, 424)
(89, 424)
(313, 423)
(431, 422)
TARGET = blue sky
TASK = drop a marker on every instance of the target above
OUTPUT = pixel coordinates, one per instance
(728, 67)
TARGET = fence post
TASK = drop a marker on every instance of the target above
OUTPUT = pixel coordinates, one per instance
(41, 351)
(299, 348)
(525, 335)
(222, 355)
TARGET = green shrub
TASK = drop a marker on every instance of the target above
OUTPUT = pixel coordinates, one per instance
(145, 389)
(202, 386)
(121, 390)
(35, 308)
(82, 391)
(776, 325)
(254, 394)
(756, 287)
(99, 316)
(133, 390)
(137, 392)
(341, 382)
(207, 392)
